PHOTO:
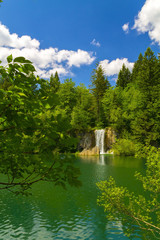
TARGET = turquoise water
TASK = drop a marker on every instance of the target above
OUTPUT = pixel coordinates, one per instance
(54, 213)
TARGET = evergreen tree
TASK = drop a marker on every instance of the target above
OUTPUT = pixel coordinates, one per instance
(54, 82)
(124, 77)
(136, 67)
(83, 114)
(147, 74)
(99, 85)
(67, 96)
(146, 122)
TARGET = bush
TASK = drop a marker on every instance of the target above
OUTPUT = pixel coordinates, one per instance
(124, 147)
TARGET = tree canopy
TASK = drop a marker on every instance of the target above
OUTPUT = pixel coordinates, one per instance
(132, 109)
(124, 77)
(40, 118)
(143, 211)
(99, 85)
(30, 130)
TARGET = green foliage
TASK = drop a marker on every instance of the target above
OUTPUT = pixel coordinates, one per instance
(112, 105)
(9, 58)
(99, 85)
(38, 116)
(139, 210)
(83, 114)
(80, 119)
(135, 107)
(133, 111)
(30, 126)
(147, 74)
(99, 82)
(67, 96)
(137, 67)
(124, 77)
(54, 82)
(146, 123)
(124, 147)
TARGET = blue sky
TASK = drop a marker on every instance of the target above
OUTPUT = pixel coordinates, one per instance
(72, 36)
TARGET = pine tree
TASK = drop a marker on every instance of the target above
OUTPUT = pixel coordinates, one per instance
(136, 68)
(124, 77)
(147, 77)
(99, 85)
(146, 122)
(54, 82)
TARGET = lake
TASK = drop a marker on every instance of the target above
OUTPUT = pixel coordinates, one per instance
(54, 213)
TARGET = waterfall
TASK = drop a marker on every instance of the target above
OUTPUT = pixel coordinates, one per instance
(99, 134)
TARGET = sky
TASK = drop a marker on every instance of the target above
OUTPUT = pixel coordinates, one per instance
(71, 37)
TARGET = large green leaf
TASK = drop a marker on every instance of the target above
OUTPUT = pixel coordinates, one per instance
(9, 58)
(21, 60)
(28, 68)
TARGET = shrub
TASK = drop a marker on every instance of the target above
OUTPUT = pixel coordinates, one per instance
(124, 147)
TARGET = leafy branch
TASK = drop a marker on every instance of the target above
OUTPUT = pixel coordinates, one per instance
(144, 212)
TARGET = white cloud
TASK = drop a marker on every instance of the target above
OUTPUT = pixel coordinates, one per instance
(125, 27)
(46, 61)
(80, 57)
(148, 20)
(113, 67)
(95, 43)
(13, 41)
(47, 73)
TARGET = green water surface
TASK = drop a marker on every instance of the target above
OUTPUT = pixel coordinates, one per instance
(54, 213)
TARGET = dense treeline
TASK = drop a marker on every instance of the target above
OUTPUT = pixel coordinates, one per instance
(32, 129)
(40, 116)
(133, 104)
(131, 107)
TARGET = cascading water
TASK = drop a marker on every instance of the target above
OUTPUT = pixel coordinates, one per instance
(99, 134)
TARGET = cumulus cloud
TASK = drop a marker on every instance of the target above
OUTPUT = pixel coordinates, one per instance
(148, 20)
(13, 41)
(125, 27)
(113, 67)
(46, 61)
(95, 43)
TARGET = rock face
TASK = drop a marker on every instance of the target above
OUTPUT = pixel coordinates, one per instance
(87, 141)
(110, 136)
(88, 146)
(90, 152)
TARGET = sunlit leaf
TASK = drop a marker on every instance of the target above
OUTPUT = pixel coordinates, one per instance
(9, 58)
(21, 60)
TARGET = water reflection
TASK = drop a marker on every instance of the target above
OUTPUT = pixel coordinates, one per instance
(16, 216)
(118, 161)
(90, 159)
(99, 159)
(102, 159)
(53, 213)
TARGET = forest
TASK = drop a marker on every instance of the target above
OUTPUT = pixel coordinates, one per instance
(30, 104)
(39, 116)
(42, 118)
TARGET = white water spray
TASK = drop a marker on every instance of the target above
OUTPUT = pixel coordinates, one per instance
(99, 134)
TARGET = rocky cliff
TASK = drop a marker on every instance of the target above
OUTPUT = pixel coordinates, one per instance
(86, 141)
(87, 145)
